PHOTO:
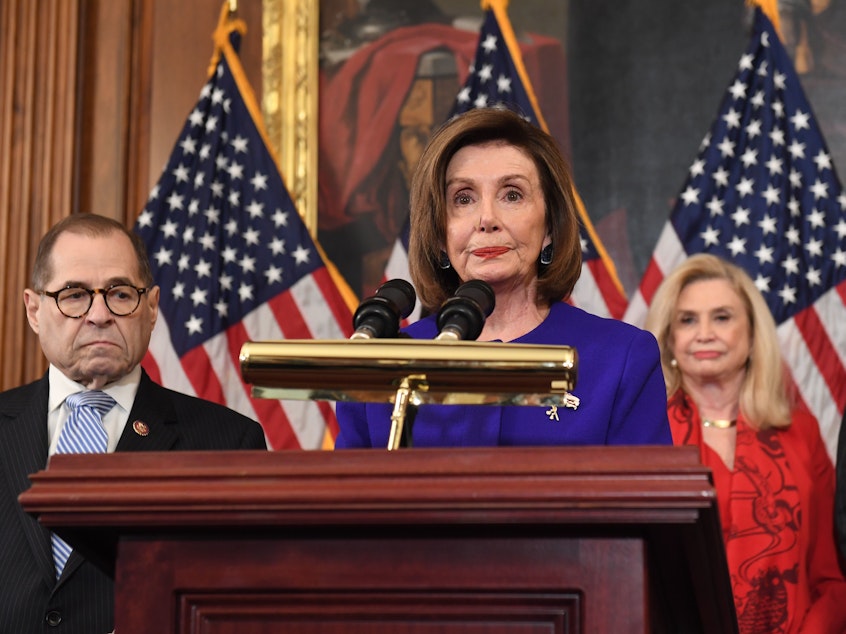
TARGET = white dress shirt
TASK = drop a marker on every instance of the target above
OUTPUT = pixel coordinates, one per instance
(123, 391)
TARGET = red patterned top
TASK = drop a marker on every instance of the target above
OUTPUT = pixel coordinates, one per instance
(776, 509)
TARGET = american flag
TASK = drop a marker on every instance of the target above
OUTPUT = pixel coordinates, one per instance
(763, 193)
(497, 77)
(234, 260)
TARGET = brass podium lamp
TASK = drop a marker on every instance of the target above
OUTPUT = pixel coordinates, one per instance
(409, 373)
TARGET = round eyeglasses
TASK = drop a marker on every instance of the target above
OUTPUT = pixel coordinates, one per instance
(76, 301)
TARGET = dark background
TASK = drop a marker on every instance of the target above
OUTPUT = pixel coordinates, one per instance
(646, 81)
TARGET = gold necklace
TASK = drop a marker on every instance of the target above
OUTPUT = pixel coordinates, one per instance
(719, 423)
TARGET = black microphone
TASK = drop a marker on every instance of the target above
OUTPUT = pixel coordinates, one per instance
(463, 315)
(379, 316)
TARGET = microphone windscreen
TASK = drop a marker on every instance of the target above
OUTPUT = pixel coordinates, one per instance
(400, 293)
(379, 316)
(463, 315)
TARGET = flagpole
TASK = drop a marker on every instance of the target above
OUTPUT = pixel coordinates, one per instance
(770, 9)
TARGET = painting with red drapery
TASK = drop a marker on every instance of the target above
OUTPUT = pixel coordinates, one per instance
(379, 102)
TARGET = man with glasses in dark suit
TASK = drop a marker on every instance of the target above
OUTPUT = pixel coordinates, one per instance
(93, 305)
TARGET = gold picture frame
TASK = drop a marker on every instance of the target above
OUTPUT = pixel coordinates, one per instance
(290, 96)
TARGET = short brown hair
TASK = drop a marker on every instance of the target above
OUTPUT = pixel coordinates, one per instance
(428, 203)
(90, 225)
(763, 397)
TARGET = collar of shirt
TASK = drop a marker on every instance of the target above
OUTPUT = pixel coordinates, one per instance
(123, 391)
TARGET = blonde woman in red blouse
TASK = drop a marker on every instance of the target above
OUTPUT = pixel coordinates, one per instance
(774, 479)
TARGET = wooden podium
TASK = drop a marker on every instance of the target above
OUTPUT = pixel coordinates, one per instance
(423, 541)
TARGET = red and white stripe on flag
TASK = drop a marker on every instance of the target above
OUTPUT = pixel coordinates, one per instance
(234, 260)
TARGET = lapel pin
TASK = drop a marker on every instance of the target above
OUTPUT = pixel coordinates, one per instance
(571, 401)
(140, 428)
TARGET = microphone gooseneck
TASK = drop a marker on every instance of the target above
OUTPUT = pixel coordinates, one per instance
(463, 315)
(379, 316)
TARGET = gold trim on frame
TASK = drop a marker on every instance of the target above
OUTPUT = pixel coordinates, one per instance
(289, 102)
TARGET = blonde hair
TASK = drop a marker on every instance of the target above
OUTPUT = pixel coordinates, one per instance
(763, 398)
(428, 203)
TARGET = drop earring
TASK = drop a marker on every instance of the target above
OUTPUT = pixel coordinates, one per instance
(443, 261)
(546, 255)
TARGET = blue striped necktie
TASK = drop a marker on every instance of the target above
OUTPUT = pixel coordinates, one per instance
(83, 433)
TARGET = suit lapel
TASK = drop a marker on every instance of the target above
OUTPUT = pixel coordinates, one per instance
(23, 451)
(151, 425)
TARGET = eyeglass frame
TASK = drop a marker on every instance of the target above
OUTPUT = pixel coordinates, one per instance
(91, 293)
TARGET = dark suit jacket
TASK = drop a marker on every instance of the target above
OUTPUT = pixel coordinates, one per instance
(31, 600)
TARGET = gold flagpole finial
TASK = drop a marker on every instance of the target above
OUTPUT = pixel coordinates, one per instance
(770, 9)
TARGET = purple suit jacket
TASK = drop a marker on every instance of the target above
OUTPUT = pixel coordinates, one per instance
(619, 384)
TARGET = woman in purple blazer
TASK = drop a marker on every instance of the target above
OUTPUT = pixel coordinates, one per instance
(492, 200)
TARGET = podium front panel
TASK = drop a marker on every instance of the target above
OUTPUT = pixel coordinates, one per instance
(506, 583)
